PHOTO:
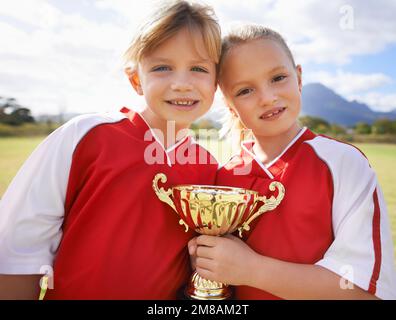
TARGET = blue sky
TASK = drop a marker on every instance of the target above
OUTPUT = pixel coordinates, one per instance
(65, 56)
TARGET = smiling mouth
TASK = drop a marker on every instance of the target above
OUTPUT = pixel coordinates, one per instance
(184, 103)
(272, 113)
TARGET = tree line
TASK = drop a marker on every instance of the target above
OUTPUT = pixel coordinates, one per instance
(14, 114)
(18, 119)
(321, 126)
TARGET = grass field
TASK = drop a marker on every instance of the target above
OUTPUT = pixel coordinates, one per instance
(14, 151)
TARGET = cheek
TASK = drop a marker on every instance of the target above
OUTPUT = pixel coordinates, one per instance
(154, 85)
(296, 100)
(208, 87)
(292, 89)
(244, 113)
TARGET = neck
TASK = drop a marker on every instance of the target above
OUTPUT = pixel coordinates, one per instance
(168, 132)
(267, 148)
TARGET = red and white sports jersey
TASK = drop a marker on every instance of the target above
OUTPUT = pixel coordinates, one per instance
(333, 213)
(85, 199)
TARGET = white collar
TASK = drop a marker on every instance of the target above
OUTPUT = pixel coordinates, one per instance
(288, 146)
(172, 147)
(267, 166)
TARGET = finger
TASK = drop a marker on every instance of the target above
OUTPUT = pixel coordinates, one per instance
(231, 237)
(204, 263)
(204, 252)
(209, 241)
(208, 275)
(192, 249)
(192, 242)
(192, 246)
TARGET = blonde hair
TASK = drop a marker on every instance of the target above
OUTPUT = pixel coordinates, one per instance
(241, 35)
(167, 21)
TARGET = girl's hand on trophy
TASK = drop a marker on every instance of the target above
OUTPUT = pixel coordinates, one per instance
(225, 259)
(192, 250)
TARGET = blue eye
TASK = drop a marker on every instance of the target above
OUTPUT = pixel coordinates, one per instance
(199, 69)
(243, 92)
(161, 68)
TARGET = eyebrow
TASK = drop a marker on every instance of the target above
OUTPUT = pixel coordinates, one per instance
(159, 59)
(164, 60)
(282, 67)
(202, 61)
(275, 69)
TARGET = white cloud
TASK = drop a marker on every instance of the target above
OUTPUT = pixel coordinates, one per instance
(15, 41)
(50, 58)
(316, 30)
(357, 86)
(73, 64)
(376, 100)
(347, 83)
(38, 13)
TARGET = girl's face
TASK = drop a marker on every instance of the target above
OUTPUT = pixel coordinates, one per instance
(177, 79)
(262, 87)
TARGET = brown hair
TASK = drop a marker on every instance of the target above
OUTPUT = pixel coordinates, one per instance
(238, 36)
(167, 21)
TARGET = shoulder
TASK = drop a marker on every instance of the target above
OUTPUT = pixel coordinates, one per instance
(74, 130)
(86, 122)
(337, 153)
(352, 176)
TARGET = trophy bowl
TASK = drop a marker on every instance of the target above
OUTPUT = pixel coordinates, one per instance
(215, 210)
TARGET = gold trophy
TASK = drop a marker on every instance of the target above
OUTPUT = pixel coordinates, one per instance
(215, 210)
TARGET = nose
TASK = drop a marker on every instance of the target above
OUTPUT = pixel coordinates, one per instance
(181, 83)
(268, 96)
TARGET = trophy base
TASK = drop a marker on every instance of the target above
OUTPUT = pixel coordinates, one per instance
(202, 289)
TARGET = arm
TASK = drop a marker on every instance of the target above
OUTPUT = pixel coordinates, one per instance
(302, 281)
(283, 279)
(19, 287)
(31, 216)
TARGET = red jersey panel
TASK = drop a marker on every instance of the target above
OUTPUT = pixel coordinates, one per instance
(120, 241)
(329, 187)
(85, 199)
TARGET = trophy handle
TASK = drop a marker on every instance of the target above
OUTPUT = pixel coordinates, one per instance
(269, 204)
(164, 195)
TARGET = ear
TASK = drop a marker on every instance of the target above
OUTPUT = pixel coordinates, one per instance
(233, 112)
(229, 107)
(134, 79)
(299, 77)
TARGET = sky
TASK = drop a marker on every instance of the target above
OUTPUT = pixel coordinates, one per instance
(61, 56)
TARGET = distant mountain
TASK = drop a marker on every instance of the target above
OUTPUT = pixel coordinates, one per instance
(317, 101)
(320, 101)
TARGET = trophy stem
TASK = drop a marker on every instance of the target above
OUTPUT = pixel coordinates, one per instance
(202, 289)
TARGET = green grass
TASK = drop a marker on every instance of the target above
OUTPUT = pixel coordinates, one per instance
(13, 153)
(382, 157)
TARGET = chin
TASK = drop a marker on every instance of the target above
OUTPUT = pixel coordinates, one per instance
(272, 132)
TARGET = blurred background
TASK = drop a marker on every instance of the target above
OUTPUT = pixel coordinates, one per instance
(59, 59)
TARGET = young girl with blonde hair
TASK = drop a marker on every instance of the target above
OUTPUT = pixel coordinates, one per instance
(83, 203)
(330, 236)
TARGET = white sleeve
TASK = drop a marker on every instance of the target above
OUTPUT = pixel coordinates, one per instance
(32, 208)
(362, 251)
